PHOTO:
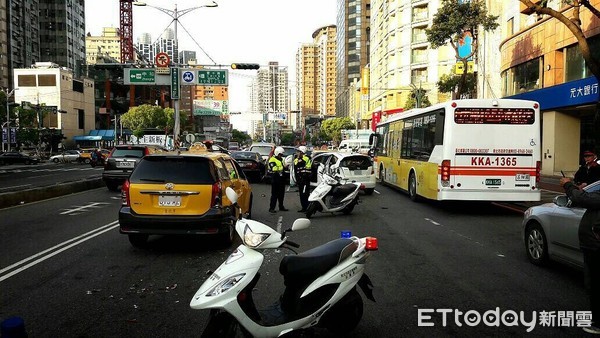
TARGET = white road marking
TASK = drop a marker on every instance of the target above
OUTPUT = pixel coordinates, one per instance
(46, 254)
(432, 222)
(15, 186)
(79, 209)
(377, 192)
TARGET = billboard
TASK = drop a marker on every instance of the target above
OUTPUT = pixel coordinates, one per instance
(210, 107)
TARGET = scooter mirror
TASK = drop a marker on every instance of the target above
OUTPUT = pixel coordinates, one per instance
(231, 195)
(300, 224)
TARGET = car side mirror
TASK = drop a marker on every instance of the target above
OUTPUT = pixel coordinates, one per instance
(562, 201)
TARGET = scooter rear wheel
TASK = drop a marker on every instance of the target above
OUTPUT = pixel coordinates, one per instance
(345, 315)
(348, 209)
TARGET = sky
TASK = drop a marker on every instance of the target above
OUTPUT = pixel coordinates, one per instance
(237, 31)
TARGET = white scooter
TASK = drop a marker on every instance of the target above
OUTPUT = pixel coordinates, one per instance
(320, 284)
(331, 195)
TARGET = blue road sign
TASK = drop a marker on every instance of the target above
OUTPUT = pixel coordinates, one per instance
(188, 77)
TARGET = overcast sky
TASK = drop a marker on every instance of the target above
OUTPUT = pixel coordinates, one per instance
(244, 31)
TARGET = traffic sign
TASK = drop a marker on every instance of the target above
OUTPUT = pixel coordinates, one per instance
(188, 77)
(215, 77)
(174, 83)
(162, 59)
(134, 76)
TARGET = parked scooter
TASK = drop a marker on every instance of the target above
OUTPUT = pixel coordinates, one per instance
(320, 284)
(331, 195)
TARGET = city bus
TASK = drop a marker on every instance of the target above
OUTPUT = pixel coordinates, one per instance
(471, 150)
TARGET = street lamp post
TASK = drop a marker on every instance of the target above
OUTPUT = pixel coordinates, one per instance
(175, 15)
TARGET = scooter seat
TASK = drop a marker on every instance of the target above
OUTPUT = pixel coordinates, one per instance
(304, 268)
(343, 190)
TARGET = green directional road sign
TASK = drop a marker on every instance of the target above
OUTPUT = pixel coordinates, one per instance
(214, 77)
(174, 83)
(140, 76)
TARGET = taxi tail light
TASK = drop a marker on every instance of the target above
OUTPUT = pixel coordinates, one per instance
(216, 194)
(125, 194)
(371, 244)
(446, 170)
(538, 171)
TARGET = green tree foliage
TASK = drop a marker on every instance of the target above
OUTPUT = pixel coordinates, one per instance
(411, 102)
(449, 82)
(454, 20)
(148, 116)
(288, 139)
(240, 137)
(333, 127)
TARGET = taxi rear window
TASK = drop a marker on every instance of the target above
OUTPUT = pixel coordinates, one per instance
(174, 169)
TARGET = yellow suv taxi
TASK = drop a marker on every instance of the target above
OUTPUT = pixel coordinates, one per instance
(183, 193)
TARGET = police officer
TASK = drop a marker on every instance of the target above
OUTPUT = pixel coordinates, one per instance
(302, 171)
(275, 165)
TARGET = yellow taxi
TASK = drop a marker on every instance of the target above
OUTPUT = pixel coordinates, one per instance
(175, 193)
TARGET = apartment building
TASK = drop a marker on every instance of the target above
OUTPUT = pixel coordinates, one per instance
(105, 48)
(325, 39)
(541, 61)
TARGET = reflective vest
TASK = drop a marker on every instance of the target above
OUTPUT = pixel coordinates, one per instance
(306, 167)
(275, 165)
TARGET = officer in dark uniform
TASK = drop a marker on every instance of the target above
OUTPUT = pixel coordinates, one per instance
(275, 166)
(302, 172)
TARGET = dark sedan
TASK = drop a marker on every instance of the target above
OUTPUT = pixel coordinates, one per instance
(252, 164)
(16, 157)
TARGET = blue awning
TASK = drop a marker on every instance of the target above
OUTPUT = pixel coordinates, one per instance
(97, 135)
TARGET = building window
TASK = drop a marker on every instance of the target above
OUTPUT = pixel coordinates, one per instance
(26, 81)
(80, 119)
(510, 27)
(522, 78)
(575, 67)
(47, 80)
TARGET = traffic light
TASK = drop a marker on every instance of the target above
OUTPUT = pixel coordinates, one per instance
(245, 66)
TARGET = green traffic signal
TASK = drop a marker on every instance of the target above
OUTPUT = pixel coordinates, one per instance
(245, 66)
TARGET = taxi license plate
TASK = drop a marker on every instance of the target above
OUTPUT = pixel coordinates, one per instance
(493, 181)
(125, 164)
(169, 201)
(522, 177)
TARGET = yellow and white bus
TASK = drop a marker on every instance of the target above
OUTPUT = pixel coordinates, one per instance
(472, 150)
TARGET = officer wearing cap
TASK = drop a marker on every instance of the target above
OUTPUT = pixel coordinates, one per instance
(302, 171)
(275, 167)
(589, 172)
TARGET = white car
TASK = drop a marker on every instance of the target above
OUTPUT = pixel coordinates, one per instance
(353, 167)
(66, 156)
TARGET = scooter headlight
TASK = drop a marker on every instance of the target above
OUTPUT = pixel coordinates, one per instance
(225, 285)
(253, 239)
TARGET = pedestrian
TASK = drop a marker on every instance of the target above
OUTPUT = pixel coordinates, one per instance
(588, 172)
(589, 243)
(302, 172)
(275, 167)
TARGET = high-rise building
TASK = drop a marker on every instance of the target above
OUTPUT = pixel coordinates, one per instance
(147, 50)
(62, 33)
(23, 31)
(187, 57)
(4, 69)
(307, 79)
(105, 48)
(353, 23)
(270, 97)
(325, 39)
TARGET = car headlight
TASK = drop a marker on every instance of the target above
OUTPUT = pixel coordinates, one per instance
(253, 239)
(225, 285)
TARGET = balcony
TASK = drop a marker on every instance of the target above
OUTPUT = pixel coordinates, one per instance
(420, 16)
(419, 58)
(420, 37)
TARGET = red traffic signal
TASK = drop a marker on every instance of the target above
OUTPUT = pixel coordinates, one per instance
(245, 66)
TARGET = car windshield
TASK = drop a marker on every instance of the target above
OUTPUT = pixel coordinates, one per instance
(263, 150)
(124, 152)
(243, 155)
(179, 170)
(356, 162)
(287, 151)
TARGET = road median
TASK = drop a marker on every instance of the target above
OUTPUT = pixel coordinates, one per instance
(13, 198)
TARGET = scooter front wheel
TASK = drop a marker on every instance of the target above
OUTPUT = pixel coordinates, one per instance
(222, 324)
(311, 210)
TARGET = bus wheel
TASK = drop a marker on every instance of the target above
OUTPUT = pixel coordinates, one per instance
(412, 187)
(381, 174)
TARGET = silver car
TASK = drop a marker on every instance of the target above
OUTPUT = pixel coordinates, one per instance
(550, 231)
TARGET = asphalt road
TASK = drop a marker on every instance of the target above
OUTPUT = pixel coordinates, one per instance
(20, 177)
(66, 270)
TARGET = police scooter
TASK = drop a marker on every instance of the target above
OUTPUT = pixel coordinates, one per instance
(320, 284)
(331, 195)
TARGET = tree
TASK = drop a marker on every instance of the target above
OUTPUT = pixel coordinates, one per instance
(240, 137)
(456, 22)
(288, 139)
(148, 116)
(574, 25)
(332, 127)
(411, 102)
